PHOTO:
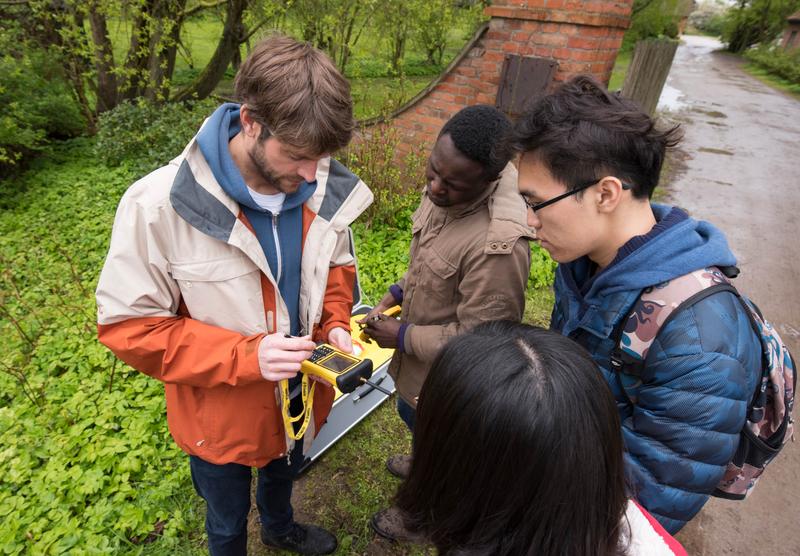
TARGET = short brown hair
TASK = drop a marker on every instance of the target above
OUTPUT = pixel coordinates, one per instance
(298, 93)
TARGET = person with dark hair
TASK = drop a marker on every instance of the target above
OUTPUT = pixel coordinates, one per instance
(589, 162)
(469, 260)
(201, 288)
(517, 450)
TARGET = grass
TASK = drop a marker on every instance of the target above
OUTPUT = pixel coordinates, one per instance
(772, 80)
(620, 69)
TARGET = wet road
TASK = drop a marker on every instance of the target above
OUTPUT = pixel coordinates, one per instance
(739, 169)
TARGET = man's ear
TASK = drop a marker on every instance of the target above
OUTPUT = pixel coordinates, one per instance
(249, 125)
(609, 194)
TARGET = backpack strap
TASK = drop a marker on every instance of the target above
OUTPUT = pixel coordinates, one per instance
(653, 309)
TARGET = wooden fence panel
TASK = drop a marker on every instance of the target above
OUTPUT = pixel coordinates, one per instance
(648, 71)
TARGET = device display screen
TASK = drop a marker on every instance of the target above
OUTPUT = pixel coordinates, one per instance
(337, 363)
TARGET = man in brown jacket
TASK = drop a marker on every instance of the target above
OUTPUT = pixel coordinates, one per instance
(469, 261)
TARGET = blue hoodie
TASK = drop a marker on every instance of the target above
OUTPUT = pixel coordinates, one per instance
(699, 374)
(280, 236)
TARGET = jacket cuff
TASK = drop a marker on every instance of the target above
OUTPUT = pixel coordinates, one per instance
(322, 335)
(403, 341)
(397, 293)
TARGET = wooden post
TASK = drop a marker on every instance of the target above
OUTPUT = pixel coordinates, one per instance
(648, 71)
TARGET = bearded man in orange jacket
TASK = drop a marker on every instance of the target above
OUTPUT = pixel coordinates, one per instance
(225, 266)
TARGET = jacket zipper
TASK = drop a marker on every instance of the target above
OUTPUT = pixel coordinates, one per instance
(277, 245)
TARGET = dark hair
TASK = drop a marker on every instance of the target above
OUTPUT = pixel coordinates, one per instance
(298, 94)
(517, 448)
(581, 132)
(480, 133)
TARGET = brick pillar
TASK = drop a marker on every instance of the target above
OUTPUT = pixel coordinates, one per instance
(583, 37)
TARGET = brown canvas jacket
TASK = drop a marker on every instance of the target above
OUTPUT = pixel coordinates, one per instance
(467, 264)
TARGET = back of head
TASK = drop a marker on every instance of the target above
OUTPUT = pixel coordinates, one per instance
(582, 132)
(298, 94)
(480, 132)
(517, 448)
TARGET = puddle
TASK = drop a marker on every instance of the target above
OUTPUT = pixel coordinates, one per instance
(709, 113)
(715, 151)
(671, 99)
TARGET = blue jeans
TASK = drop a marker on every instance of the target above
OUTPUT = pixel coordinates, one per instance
(407, 413)
(226, 490)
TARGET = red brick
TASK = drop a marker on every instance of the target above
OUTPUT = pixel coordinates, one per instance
(550, 39)
(582, 42)
(498, 35)
(543, 51)
(584, 55)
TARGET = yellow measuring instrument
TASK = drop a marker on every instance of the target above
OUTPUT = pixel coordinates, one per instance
(342, 370)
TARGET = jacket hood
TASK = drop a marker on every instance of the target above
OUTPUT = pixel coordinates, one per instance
(213, 140)
(678, 245)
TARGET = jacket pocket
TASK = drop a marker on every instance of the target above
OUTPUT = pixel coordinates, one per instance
(223, 292)
(440, 280)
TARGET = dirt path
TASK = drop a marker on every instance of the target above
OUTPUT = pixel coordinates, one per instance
(740, 171)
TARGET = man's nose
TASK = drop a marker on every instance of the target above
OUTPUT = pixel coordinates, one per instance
(308, 170)
(533, 220)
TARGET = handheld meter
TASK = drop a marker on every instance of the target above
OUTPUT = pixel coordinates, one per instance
(331, 365)
(343, 370)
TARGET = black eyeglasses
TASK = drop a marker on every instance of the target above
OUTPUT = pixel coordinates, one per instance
(586, 185)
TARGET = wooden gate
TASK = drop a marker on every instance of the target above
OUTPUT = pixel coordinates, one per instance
(648, 71)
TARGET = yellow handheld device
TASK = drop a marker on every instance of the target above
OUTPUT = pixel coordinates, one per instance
(392, 311)
(340, 369)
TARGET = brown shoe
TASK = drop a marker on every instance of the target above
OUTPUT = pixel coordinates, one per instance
(390, 524)
(399, 466)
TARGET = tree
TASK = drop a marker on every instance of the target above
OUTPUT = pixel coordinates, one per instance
(756, 22)
(434, 20)
(334, 26)
(78, 31)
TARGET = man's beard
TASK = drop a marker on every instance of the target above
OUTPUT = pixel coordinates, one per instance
(284, 184)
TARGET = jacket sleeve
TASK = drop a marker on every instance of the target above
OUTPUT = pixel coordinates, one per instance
(138, 312)
(492, 288)
(684, 429)
(337, 303)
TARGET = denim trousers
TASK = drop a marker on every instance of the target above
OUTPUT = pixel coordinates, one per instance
(226, 490)
(407, 413)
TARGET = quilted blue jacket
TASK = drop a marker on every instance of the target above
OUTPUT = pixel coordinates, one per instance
(699, 374)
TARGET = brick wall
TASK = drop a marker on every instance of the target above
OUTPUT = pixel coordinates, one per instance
(583, 37)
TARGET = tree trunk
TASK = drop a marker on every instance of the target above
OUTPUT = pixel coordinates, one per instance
(103, 61)
(232, 35)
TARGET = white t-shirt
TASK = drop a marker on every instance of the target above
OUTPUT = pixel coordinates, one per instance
(272, 203)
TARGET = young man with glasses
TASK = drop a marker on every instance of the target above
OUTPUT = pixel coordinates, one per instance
(589, 162)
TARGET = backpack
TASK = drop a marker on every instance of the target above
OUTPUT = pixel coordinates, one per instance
(769, 423)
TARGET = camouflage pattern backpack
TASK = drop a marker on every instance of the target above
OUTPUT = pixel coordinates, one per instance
(769, 423)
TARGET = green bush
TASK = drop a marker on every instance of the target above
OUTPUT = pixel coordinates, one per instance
(652, 20)
(395, 183)
(37, 103)
(777, 61)
(147, 135)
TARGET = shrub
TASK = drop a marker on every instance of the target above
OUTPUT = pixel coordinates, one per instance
(777, 61)
(395, 183)
(37, 104)
(148, 135)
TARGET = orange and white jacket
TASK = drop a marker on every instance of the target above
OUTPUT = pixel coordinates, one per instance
(186, 295)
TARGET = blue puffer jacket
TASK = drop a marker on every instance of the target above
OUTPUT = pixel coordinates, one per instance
(699, 373)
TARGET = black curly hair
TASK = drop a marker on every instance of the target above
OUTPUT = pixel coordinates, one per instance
(480, 133)
(582, 132)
